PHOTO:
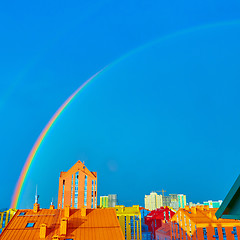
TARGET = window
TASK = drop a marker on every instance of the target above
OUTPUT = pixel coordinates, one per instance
(92, 193)
(76, 191)
(9, 216)
(216, 233)
(224, 234)
(21, 213)
(205, 233)
(85, 191)
(63, 193)
(235, 233)
(29, 225)
(136, 222)
(71, 190)
(4, 220)
(132, 227)
(125, 228)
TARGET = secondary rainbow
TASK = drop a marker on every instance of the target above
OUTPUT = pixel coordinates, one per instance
(27, 165)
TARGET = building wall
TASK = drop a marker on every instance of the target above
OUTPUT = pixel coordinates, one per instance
(163, 233)
(213, 204)
(153, 201)
(200, 223)
(155, 218)
(77, 187)
(104, 202)
(130, 221)
(112, 200)
(5, 217)
(182, 200)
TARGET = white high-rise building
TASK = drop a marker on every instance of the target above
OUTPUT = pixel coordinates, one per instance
(153, 201)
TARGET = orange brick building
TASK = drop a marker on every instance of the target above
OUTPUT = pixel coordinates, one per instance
(200, 223)
(63, 224)
(77, 187)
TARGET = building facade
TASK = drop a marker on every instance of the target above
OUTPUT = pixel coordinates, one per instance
(5, 217)
(112, 200)
(213, 204)
(103, 202)
(153, 201)
(201, 223)
(182, 200)
(164, 232)
(130, 221)
(77, 187)
(157, 217)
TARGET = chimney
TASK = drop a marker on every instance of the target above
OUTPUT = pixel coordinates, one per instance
(187, 208)
(52, 207)
(206, 207)
(194, 210)
(83, 212)
(67, 211)
(36, 207)
(43, 231)
(63, 226)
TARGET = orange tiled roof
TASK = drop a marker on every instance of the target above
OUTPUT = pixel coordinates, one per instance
(203, 215)
(98, 224)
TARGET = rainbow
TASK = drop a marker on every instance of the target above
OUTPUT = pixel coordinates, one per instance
(27, 165)
(23, 175)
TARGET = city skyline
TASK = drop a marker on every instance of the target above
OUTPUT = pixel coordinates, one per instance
(167, 99)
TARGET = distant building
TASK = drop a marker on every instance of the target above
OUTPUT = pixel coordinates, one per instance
(175, 201)
(108, 201)
(182, 201)
(112, 200)
(153, 201)
(164, 232)
(103, 201)
(201, 223)
(213, 204)
(77, 187)
(5, 217)
(63, 224)
(130, 221)
(155, 218)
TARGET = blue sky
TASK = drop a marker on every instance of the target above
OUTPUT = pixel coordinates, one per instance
(165, 114)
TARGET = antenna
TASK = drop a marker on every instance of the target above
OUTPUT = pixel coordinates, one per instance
(52, 202)
(36, 196)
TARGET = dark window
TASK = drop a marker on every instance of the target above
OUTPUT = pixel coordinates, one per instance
(235, 233)
(224, 234)
(205, 233)
(9, 216)
(216, 233)
(29, 225)
(4, 220)
(22, 213)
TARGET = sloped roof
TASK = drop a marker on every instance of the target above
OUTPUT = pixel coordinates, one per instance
(230, 207)
(203, 216)
(164, 229)
(98, 224)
